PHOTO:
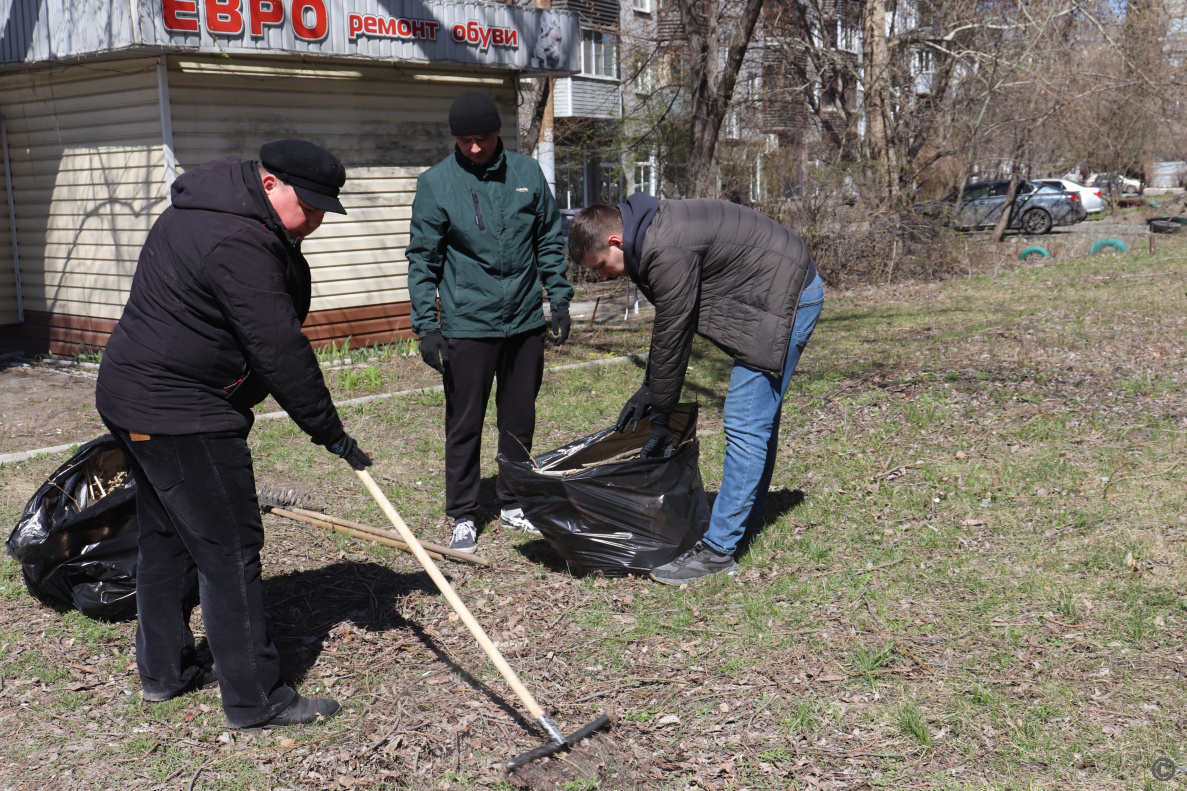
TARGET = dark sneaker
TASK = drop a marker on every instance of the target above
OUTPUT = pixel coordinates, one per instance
(512, 517)
(205, 679)
(465, 537)
(700, 561)
(301, 711)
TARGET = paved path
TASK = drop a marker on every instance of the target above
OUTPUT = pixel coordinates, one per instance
(611, 310)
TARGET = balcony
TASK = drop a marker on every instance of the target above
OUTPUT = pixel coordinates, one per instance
(586, 97)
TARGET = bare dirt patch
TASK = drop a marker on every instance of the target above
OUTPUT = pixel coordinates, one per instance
(43, 406)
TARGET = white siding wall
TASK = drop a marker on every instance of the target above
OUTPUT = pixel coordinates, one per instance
(87, 173)
(383, 124)
(576, 97)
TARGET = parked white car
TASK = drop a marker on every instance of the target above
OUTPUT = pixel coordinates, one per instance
(1092, 197)
(1123, 183)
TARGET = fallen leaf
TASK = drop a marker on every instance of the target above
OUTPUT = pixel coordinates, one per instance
(668, 719)
(287, 742)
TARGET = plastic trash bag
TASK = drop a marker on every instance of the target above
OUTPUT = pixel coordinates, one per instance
(619, 517)
(76, 540)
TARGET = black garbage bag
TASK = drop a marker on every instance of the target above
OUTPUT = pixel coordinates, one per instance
(602, 508)
(76, 540)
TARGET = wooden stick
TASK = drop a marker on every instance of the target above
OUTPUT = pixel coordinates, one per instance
(460, 608)
(324, 525)
(391, 535)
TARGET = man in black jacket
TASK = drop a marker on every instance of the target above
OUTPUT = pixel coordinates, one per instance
(744, 282)
(212, 326)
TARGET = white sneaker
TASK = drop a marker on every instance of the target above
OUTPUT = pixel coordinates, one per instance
(513, 518)
(465, 537)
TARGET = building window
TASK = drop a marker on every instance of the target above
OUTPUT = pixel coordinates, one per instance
(645, 177)
(733, 127)
(641, 5)
(610, 182)
(646, 82)
(598, 57)
(570, 186)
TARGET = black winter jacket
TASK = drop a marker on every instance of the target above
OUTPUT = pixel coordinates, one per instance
(213, 322)
(720, 270)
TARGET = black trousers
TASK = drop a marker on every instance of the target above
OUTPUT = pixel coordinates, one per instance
(200, 540)
(517, 363)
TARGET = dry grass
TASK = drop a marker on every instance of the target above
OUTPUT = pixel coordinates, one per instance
(971, 575)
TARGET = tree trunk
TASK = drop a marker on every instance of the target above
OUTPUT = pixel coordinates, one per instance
(1003, 222)
(876, 73)
(716, 46)
(530, 135)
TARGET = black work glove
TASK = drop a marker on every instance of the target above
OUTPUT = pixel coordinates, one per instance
(434, 350)
(348, 449)
(560, 324)
(659, 442)
(636, 407)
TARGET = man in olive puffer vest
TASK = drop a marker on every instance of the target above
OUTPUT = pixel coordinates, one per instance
(739, 279)
(485, 233)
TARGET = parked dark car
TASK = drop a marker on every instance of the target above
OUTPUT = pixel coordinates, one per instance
(1037, 207)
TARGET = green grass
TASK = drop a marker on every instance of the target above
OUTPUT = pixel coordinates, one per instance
(978, 586)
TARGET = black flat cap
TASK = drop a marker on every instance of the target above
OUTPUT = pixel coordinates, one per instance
(473, 113)
(315, 174)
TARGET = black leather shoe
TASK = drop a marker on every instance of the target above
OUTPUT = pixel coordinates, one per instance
(301, 711)
(205, 679)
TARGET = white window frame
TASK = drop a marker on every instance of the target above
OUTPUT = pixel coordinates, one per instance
(642, 6)
(596, 41)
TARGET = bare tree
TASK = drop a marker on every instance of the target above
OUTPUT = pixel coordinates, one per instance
(534, 96)
(718, 33)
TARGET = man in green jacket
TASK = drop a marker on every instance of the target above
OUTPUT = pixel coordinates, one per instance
(485, 233)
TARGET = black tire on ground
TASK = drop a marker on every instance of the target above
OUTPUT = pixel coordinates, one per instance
(1036, 222)
(1164, 226)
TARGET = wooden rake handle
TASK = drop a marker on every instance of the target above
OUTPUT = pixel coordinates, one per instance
(458, 606)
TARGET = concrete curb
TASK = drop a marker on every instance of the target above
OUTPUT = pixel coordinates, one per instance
(439, 388)
(9, 458)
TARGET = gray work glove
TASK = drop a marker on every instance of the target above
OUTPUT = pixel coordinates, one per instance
(659, 442)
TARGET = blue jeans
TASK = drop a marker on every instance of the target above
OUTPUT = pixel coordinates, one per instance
(752, 409)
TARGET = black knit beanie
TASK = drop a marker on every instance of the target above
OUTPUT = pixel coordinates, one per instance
(473, 113)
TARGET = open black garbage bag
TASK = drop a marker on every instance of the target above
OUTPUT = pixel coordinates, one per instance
(618, 517)
(76, 540)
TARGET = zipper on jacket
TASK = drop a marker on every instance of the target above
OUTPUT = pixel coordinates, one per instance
(477, 211)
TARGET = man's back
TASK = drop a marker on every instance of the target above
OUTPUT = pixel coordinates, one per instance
(750, 271)
(216, 287)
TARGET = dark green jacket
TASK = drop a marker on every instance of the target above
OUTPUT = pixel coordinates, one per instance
(483, 238)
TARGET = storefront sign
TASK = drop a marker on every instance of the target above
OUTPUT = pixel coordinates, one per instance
(425, 30)
(390, 27)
